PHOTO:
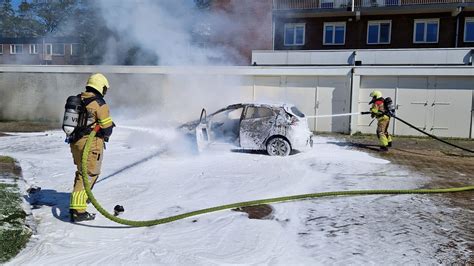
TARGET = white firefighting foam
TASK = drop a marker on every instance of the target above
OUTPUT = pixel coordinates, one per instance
(152, 184)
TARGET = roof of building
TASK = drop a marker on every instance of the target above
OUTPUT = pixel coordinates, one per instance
(27, 40)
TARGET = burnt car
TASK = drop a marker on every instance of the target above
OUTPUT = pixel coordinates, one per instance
(276, 128)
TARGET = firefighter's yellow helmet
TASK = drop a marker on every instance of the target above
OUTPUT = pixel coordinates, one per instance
(376, 94)
(98, 82)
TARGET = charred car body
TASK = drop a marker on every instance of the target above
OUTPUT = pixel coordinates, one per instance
(276, 128)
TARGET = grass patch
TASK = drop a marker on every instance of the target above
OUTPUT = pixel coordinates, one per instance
(14, 234)
(6, 160)
(28, 126)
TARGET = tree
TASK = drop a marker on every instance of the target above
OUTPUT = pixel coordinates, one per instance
(87, 24)
(27, 23)
(52, 14)
(204, 4)
(7, 19)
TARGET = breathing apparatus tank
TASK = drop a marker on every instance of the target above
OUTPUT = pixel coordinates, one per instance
(389, 108)
(73, 114)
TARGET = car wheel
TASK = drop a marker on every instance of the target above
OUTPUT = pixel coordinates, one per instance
(278, 147)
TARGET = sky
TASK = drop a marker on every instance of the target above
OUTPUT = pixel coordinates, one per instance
(16, 3)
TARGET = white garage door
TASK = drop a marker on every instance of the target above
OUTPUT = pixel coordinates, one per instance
(438, 105)
(452, 106)
(387, 86)
(268, 89)
(411, 103)
(301, 91)
(333, 97)
(313, 95)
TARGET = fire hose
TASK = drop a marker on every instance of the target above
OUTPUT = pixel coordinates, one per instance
(423, 132)
(95, 203)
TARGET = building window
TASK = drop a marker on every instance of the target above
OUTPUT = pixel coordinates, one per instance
(1, 48)
(469, 30)
(49, 49)
(392, 2)
(75, 49)
(294, 34)
(426, 31)
(16, 48)
(334, 33)
(327, 4)
(58, 48)
(378, 32)
(33, 48)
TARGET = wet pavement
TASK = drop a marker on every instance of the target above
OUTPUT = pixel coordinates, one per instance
(452, 215)
(403, 229)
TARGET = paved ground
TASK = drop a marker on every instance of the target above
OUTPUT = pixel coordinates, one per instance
(447, 166)
(444, 165)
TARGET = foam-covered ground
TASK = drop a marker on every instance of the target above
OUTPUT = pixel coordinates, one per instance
(151, 174)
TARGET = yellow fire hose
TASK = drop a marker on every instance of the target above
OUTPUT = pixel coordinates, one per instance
(116, 219)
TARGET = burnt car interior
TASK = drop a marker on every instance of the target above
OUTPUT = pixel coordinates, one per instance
(257, 112)
(225, 125)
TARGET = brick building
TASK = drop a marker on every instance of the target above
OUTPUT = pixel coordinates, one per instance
(369, 24)
(40, 51)
(248, 26)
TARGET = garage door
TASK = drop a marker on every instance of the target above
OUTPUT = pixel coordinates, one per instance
(452, 107)
(268, 89)
(387, 86)
(333, 97)
(438, 105)
(412, 105)
(313, 95)
(301, 91)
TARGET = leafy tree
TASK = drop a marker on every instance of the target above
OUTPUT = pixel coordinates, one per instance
(52, 14)
(27, 23)
(7, 19)
(204, 4)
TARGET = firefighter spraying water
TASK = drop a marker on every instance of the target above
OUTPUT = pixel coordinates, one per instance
(83, 113)
(381, 110)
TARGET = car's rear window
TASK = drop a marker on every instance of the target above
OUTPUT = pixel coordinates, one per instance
(297, 112)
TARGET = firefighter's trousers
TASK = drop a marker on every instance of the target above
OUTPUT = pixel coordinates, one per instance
(382, 130)
(94, 162)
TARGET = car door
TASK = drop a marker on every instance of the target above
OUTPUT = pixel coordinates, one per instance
(202, 132)
(256, 126)
(219, 127)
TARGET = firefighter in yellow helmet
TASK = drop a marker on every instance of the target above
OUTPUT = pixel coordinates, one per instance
(97, 114)
(378, 111)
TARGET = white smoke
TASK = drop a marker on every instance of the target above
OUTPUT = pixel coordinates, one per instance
(178, 34)
(164, 28)
(167, 33)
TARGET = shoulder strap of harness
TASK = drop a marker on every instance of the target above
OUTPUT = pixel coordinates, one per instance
(87, 101)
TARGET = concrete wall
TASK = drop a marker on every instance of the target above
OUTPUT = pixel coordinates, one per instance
(167, 93)
(439, 100)
(439, 56)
